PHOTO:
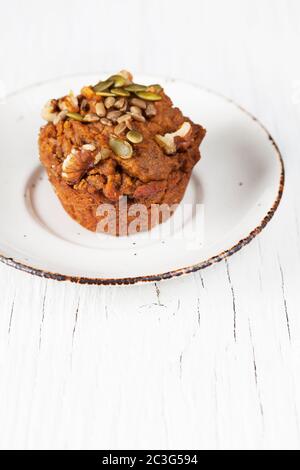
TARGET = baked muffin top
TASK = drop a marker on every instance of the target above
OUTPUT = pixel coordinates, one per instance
(121, 129)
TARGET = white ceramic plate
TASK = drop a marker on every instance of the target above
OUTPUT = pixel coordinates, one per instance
(235, 188)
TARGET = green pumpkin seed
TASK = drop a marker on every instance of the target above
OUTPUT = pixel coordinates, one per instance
(102, 86)
(156, 87)
(135, 137)
(118, 80)
(148, 96)
(104, 93)
(75, 116)
(120, 92)
(121, 148)
(135, 87)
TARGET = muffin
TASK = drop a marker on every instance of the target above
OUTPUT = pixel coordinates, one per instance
(119, 155)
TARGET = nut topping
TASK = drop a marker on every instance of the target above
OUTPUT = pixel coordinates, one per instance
(89, 147)
(134, 136)
(120, 127)
(49, 111)
(91, 118)
(100, 109)
(105, 121)
(138, 102)
(113, 115)
(148, 95)
(150, 110)
(75, 116)
(111, 94)
(167, 141)
(109, 102)
(119, 104)
(121, 148)
(135, 110)
(76, 164)
(60, 117)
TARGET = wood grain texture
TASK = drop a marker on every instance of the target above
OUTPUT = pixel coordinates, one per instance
(207, 361)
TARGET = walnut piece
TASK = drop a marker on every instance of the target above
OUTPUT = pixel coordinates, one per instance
(49, 111)
(168, 141)
(77, 163)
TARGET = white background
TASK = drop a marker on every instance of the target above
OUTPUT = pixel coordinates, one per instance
(211, 360)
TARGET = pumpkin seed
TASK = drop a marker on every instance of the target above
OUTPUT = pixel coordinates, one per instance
(109, 102)
(104, 93)
(120, 92)
(100, 109)
(102, 86)
(135, 87)
(140, 103)
(75, 116)
(156, 87)
(148, 96)
(134, 136)
(118, 80)
(120, 147)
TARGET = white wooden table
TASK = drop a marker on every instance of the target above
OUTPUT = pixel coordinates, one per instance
(207, 361)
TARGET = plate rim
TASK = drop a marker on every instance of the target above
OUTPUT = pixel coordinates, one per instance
(9, 261)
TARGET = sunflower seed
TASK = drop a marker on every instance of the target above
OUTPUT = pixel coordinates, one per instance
(124, 117)
(120, 128)
(138, 117)
(120, 103)
(102, 86)
(109, 102)
(121, 148)
(148, 95)
(140, 103)
(135, 137)
(150, 110)
(135, 110)
(113, 115)
(91, 118)
(100, 109)
(105, 122)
